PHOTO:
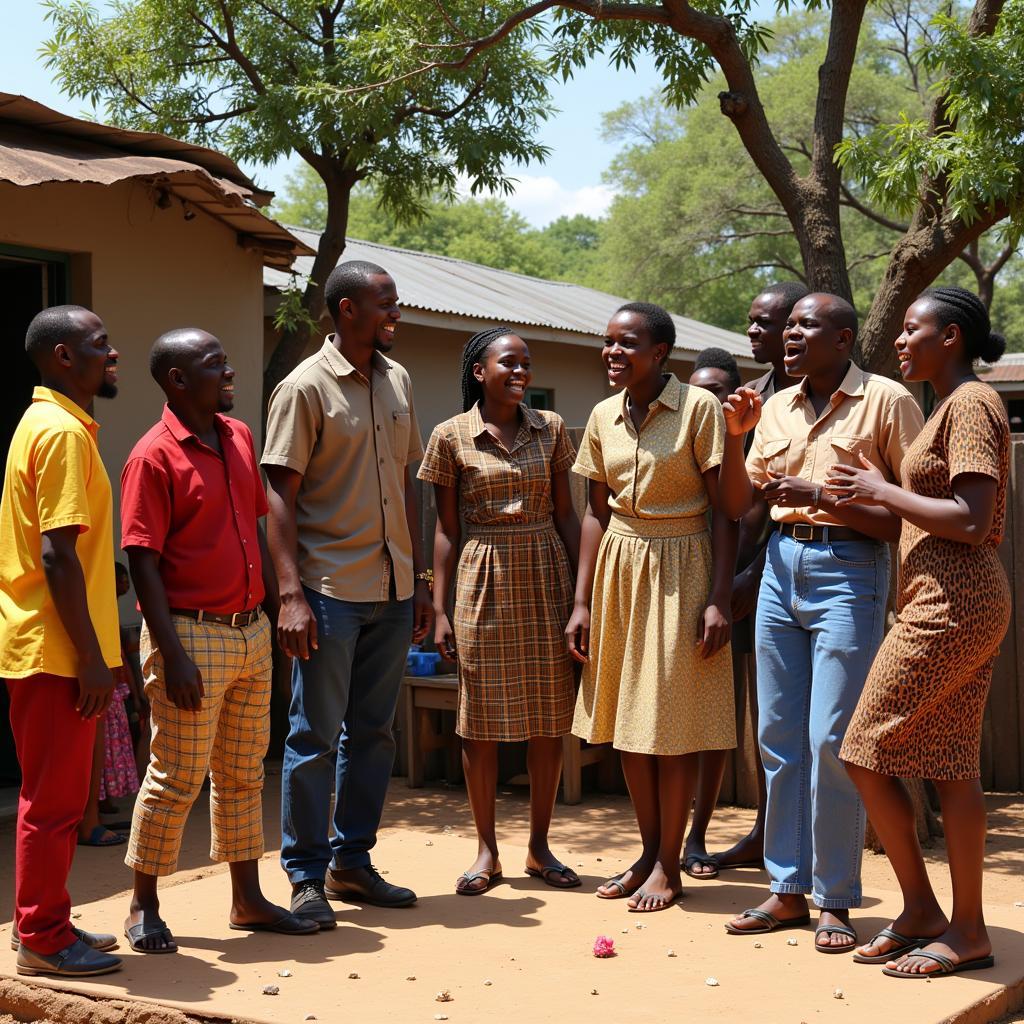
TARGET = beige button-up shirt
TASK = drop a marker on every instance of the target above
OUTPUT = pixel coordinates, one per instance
(868, 414)
(351, 442)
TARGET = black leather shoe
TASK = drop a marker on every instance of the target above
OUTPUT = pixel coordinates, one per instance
(308, 902)
(364, 885)
(97, 940)
(78, 960)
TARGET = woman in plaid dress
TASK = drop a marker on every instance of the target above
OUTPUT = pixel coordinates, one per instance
(504, 468)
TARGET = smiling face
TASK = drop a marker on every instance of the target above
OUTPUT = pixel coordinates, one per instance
(630, 354)
(88, 358)
(203, 378)
(766, 324)
(504, 373)
(925, 346)
(812, 341)
(373, 313)
(713, 379)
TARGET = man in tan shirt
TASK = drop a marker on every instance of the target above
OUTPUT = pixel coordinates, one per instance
(344, 538)
(821, 605)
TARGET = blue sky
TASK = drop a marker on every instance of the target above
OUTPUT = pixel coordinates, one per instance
(569, 182)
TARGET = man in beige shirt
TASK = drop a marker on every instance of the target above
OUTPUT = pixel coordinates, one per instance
(821, 605)
(344, 538)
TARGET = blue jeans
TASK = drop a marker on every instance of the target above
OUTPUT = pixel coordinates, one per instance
(352, 680)
(820, 617)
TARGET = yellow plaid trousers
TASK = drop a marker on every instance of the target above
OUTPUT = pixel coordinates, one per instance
(227, 737)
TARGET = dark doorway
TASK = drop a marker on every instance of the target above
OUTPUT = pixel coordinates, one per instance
(29, 282)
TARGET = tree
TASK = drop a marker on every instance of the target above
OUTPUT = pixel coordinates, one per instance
(262, 79)
(951, 175)
(695, 224)
(480, 230)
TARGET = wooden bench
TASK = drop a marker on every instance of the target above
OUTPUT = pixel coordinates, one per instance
(423, 694)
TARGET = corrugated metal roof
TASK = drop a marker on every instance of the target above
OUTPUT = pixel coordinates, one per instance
(39, 145)
(445, 285)
(1009, 368)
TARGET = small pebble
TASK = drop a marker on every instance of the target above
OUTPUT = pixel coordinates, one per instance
(430, 842)
(639, 926)
(310, 1016)
(757, 945)
(1019, 903)
(270, 990)
(440, 1016)
(412, 977)
(598, 860)
(671, 952)
(444, 996)
(625, 931)
(353, 976)
(284, 974)
(593, 991)
(711, 982)
(838, 994)
(76, 916)
(579, 863)
(488, 982)
(792, 942)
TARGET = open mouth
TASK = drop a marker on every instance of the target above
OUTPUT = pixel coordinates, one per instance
(111, 373)
(389, 328)
(516, 385)
(615, 366)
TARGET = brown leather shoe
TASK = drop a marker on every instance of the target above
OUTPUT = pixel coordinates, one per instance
(75, 961)
(364, 885)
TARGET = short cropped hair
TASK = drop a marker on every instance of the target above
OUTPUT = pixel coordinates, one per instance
(659, 322)
(347, 280)
(790, 292)
(49, 328)
(719, 359)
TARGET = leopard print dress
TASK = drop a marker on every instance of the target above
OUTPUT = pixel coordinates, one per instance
(920, 713)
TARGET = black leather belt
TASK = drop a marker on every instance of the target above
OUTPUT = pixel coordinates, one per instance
(238, 619)
(810, 533)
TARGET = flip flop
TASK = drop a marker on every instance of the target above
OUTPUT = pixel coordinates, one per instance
(946, 966)
(96, 837)
(136, 933)
(618, 883)
(286, 924)
(492, 879)
(841, 929)
(703, 861)
(675, 898)
(906, 945)
(771, 923)
(552, 871)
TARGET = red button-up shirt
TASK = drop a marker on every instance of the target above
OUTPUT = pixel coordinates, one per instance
(198, 509)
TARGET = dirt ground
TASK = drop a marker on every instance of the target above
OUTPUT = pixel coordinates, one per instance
(522, 951)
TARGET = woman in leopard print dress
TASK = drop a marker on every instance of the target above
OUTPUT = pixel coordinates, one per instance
(921, 709)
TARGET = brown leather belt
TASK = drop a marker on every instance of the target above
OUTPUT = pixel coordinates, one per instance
(238, 619)
(810, 533)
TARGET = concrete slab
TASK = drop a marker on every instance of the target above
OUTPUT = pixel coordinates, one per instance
(531, 942)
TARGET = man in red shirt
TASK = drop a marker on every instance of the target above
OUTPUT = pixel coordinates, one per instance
(190, 500)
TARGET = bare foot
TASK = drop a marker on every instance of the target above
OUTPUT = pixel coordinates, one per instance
(487, 863)
(912, 925)
(748, 851)
(782, 906)
(954, 943)
(626, 883)
(661, 889)
(836, 939)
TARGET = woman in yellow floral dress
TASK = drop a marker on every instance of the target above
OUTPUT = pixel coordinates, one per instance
(652, 613)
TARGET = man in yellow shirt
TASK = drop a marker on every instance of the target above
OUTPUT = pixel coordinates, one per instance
(58, 627)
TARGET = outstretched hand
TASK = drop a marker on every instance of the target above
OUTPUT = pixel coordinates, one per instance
(742, 411)
(850, 485)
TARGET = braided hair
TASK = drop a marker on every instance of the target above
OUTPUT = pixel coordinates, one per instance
(963, 308)
(473, 353)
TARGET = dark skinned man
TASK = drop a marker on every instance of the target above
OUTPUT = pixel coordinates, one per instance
(58, 627)
(821, 605)
(191, 498)
(344, 535)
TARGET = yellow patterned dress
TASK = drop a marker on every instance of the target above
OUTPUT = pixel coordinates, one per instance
(514, 587)
(646, 689)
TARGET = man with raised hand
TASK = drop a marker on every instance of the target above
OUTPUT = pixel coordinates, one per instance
(58, 628)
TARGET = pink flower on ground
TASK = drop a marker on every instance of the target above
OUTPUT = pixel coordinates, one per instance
(603, 946)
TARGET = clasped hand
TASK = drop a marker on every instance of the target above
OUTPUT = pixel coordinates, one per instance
(852, 485)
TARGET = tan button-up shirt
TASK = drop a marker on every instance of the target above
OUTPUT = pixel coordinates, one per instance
(868, 414)
(351, 442)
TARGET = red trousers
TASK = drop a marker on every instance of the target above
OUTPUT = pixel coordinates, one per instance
(54, 747)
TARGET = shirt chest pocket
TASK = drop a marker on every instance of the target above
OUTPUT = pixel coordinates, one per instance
(844, 449)
(401, 425)
(776, 454)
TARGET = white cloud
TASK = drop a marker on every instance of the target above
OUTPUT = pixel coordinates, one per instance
(542, 199)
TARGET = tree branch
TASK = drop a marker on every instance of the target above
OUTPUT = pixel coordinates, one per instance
(733, 271)
(847, 198)
(746, 211)
(444, 113)
(299, 31)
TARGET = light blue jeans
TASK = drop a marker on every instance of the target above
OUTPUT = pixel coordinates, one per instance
(351, 680)
(820, 617)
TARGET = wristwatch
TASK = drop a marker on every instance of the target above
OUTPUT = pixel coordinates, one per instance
(427, 575)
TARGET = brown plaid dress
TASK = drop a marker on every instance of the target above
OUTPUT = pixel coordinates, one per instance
(513, 588)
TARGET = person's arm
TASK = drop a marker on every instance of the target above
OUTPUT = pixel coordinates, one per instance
(595, 522)
(567, 523)
(742, 411)
(66, 583)
(966, 517)
(182, 678)
(296, 623)
(753, 551)
(716, 622)
(422, 602)
(271, 598)
(446, 549)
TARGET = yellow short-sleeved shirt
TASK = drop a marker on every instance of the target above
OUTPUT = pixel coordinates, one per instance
(655, 474)
(54, 478)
